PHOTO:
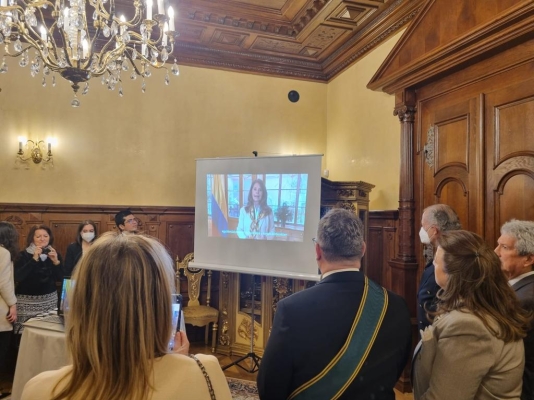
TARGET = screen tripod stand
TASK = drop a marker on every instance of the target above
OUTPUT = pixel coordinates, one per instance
(254, 358)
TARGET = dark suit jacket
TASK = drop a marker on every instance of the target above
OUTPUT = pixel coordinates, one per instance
(311, 326)
(426, 296)
(74, 253)
(525, 292)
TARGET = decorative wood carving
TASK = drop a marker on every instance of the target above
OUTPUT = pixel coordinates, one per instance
(474, 85)
(301, 39)
(160, 222)
(429, 147)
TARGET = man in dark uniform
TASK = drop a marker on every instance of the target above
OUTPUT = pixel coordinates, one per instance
(436, 219)
(346, 337)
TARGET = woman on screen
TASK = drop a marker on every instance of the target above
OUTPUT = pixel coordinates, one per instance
(256, 219)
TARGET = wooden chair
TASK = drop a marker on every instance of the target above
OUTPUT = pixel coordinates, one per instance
(194, 313)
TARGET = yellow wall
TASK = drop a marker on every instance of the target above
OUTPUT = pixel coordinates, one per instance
(141, 149)
(363, 140)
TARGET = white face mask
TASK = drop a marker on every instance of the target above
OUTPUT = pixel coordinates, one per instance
(88, 236)
(423, 235)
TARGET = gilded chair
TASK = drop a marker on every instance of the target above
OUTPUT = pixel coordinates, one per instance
(194, 313)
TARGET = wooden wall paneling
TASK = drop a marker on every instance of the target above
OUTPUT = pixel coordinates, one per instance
(451, 175)
(510, 151)
(64, 232)
(174, 226)
(180, 236)
(390, 240)
(375, 254)
(466, 70)
(382, 245)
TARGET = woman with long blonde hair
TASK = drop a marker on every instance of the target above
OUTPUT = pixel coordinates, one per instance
(118, 331)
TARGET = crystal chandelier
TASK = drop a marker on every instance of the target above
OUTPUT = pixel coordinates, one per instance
(66, 43)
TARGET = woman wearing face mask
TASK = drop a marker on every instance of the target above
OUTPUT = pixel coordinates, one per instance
(37, 270)
(85, 236)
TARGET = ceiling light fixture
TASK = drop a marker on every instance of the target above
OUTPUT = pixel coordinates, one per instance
(66, 43)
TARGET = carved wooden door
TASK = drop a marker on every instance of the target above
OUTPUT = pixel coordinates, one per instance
(450, 151)
(509, 121)
(476, 151)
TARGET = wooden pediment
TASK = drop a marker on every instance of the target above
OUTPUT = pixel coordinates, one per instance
(450, 34)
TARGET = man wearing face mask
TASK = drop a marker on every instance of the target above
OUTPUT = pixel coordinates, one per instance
(85, 236)
(436, 219)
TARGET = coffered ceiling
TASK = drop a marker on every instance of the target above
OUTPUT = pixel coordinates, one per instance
(302, 39)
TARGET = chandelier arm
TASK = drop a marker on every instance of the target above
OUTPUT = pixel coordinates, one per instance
(54, 45)
(93, 41)
(129, 56)
(103, 58)
(137, 18)
(17, 53)
(160, 36)
(102, 12)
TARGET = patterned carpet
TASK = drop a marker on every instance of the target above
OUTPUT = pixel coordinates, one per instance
(243, 390)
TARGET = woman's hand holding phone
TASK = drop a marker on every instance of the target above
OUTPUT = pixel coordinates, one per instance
(181, 343)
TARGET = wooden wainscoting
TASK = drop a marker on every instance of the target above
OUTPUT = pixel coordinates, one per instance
(382, 245)
(174, 226)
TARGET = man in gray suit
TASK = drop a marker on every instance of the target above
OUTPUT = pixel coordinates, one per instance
(515, 248)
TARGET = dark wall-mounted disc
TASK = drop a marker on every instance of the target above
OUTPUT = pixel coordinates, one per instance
(293, 96)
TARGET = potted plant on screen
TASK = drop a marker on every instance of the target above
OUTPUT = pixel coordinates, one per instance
(283, 214)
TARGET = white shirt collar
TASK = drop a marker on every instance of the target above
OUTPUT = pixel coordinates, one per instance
(512, 282)
(338, 270)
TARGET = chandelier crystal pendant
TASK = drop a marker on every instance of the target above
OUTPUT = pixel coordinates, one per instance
(66, 43)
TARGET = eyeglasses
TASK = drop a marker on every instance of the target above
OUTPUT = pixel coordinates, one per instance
(129, 221)
(314, 240)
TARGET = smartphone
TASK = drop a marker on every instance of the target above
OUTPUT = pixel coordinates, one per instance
(176, 317)
(177, 312)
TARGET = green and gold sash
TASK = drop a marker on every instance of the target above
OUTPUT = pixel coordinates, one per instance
(334, 379)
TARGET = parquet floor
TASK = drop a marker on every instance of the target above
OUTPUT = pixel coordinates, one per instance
(236, 372)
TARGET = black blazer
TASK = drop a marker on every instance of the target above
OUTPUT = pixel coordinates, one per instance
(74, 253)
(311, 326)
(525, 292)
(426, 296)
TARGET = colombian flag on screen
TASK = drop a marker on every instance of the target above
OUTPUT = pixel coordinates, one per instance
(219, 206)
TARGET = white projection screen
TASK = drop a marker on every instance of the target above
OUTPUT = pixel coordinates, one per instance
(258, 215)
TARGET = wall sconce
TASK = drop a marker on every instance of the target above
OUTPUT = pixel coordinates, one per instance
(35, 151)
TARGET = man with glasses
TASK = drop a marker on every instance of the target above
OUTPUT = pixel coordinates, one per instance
(436, 219)
(346, 337)
(125, 221)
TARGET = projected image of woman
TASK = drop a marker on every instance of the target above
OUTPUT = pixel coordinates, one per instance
(256, 220)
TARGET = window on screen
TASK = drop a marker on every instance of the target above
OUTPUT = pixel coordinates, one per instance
(257, 206)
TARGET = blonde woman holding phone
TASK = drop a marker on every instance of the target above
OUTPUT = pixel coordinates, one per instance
(118, 331)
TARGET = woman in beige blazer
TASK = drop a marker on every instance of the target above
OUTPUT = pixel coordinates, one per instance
(473, 350)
